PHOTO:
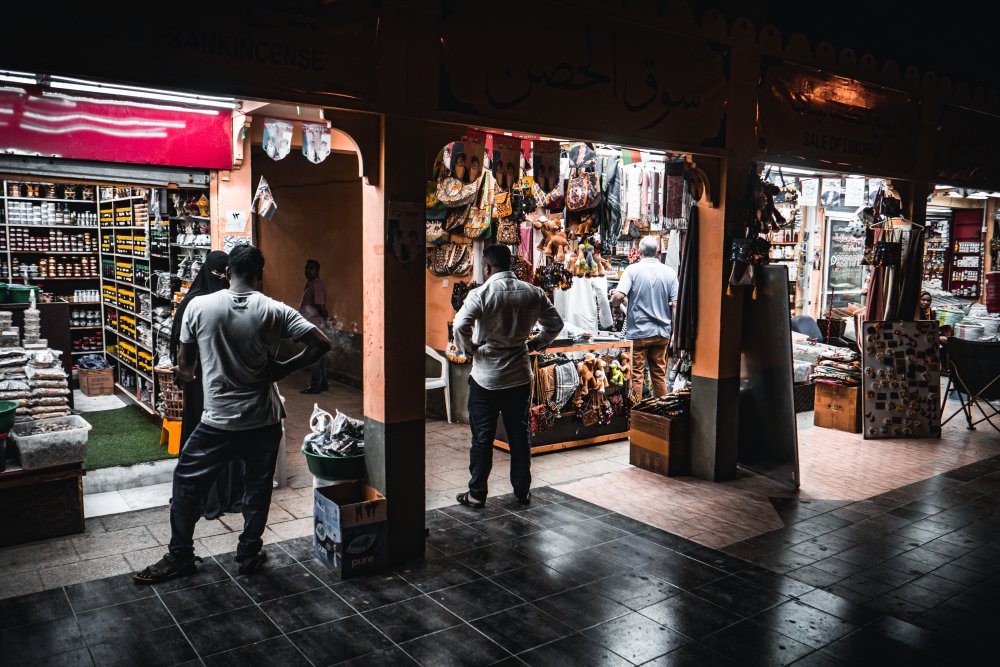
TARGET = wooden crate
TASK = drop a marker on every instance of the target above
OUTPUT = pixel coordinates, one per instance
(838, 407)
(659, 444)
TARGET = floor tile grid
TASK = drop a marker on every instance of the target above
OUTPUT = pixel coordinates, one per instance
(590, 588)
(501, 513)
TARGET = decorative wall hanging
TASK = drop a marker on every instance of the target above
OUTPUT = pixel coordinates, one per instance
(506, 161)
(277, 138)
(315, 141)
(902, 380)
(545, 165)
(263, 201)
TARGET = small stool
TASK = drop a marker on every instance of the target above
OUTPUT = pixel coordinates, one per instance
(170, 435)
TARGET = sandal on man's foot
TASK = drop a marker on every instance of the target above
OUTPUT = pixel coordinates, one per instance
(253, 563)
(467, 500)
(166, 569)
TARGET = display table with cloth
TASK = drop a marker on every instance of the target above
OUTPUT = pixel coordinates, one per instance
(568, 430)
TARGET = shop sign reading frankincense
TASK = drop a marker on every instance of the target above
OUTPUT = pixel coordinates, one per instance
(809, 115)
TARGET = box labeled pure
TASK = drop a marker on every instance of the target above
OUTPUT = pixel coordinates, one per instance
(349, 529)
(838, 407)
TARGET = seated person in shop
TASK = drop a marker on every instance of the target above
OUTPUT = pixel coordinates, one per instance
(651, 289)
(235, 334)
(505, 310)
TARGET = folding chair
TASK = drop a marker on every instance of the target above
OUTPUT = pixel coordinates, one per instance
(974, 371)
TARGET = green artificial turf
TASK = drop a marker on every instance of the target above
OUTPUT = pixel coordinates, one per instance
(122, 437)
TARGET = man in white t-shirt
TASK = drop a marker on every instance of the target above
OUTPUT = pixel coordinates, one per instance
(235, 333)
(651, 289)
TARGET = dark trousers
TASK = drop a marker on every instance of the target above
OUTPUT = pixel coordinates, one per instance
(207, 451)
(318, 374)
(485, 406)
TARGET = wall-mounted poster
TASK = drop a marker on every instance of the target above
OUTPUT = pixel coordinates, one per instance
(466, 157)
(902, 381)
(277, 138)
(506, 161)
(545, 164)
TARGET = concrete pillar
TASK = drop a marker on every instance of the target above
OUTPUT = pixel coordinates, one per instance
(393, 341)
(715, 375)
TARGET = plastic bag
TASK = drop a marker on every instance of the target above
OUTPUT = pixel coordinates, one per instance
(338, 435)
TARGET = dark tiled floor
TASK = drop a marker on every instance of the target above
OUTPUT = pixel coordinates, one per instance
(909, 577)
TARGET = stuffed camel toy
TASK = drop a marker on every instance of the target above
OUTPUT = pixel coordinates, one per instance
(554, 241)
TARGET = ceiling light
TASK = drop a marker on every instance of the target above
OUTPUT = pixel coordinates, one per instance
(18, 77)
(60, 83)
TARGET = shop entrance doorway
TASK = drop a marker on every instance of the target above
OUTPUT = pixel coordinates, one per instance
(576, 251)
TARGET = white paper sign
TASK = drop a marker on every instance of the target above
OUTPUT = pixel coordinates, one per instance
(854, 192)
(236, 221)
(810, 192)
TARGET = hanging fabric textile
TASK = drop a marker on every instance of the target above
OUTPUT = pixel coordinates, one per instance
(611, 200)
(673, 258)
(912, 276)
(687, 296)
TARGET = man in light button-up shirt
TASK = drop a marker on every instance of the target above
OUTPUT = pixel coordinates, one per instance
(493, 326)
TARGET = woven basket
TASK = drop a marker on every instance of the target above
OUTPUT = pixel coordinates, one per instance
(171, 396)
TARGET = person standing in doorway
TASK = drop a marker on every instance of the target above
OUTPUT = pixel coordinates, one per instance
(493, 326)
(234, 334)
(226, 493)
(651, 289)
(313, 308)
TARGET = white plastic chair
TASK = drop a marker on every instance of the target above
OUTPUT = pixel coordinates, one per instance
(442, 382)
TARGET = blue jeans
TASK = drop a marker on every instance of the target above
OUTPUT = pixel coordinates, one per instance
(485, 405)
(208, 451)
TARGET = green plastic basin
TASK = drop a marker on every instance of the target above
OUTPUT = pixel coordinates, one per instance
(335, 468)
(8, 410)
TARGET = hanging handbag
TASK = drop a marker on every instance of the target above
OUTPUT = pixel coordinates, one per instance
(521, 268)
(455, 222)
(887, 253)
(460, 259)
(548, 200)
(437, 260)
(452, 192)
(436, 235)
(508, 233)
(503, 204)
(435, 209)
(582, 192)
(479, 223)
(755, 251)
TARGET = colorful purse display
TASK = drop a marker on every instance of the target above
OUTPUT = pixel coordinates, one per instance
(459, 259)
(455, 221)
(548, 200)
(582, 192)
(503, 204)
(508, 233)
(479, 223)
(755, 251)
(436, 234)
(435, 209)
(452, 192)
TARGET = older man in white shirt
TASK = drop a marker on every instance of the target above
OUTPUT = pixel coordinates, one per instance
(493, 326)
(651, 289)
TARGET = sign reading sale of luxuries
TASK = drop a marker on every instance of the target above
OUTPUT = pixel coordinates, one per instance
(810, 115)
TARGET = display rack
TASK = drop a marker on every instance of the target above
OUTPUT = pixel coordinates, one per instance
(49, 231)
(568, 432)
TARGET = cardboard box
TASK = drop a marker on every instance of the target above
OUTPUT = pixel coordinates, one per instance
(659, 445)
(838, 407)
(350, 534)
(97, 383)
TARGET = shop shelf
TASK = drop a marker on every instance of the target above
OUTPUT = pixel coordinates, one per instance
(83, 352)
(48, 226)
(130, 339)
(192, 247)
(40, 199)
(129, 312)
(132, 397)
(190, 217)
(15, 251)
(71, 279)
(97, 326)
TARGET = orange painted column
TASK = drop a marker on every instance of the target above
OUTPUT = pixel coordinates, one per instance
(715, 374)
(393, 309)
